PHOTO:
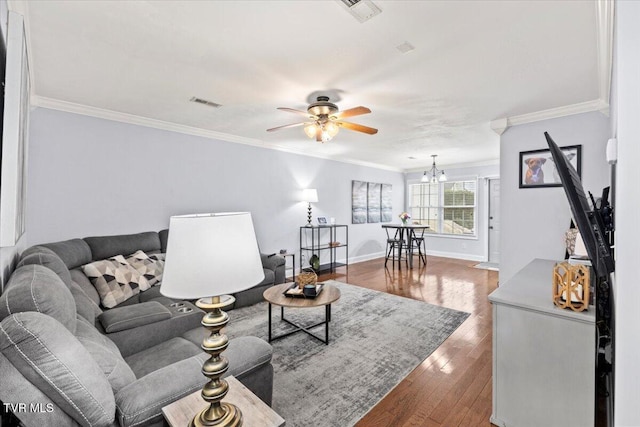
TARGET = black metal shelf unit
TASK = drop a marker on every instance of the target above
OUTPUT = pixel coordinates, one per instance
(323, 239)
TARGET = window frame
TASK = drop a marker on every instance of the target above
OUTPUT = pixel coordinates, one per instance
(441, 207)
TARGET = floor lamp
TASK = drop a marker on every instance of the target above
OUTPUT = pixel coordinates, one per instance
(208, 257)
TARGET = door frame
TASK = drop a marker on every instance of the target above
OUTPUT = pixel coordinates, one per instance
(486, 212)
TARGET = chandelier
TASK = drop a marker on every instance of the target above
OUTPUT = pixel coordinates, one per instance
(434, 175)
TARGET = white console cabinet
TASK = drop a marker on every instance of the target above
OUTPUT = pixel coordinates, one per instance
(543, 356)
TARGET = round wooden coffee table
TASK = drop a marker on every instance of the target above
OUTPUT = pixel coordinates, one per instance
(275, 296)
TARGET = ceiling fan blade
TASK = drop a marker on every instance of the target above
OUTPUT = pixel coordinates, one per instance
(357, 127)
(294, 111)
(351, 112)
(286, 126)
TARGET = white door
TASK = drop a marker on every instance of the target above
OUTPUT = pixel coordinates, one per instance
(494, 220)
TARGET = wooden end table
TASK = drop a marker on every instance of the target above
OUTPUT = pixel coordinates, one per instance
(255, 412)
(275, 296)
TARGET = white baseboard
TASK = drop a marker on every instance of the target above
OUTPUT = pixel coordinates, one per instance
(457, 255)
(368, 257)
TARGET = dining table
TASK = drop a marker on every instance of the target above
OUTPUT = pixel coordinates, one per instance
(405, 232)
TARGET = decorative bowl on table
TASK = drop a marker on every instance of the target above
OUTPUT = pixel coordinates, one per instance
(306, 278)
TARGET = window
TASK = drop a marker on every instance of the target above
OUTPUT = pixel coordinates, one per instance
(446, 207)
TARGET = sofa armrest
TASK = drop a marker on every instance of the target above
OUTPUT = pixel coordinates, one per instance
(143, 400)
(184, 317)
(275, 263)
(271, 261)
(133, 316)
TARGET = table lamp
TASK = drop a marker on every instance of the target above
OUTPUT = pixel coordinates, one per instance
(209, 256)
(309, 195)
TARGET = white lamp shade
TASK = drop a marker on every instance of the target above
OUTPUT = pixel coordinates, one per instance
(310, 195)
(211, 255)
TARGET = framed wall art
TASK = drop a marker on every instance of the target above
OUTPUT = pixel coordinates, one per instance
(537, 168)
(373, 202)
(358, 202)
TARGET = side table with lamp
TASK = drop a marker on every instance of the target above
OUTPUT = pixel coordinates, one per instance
(202, 263)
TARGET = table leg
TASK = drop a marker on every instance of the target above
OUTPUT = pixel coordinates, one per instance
(269, 322)
(410, 235)
(328, 319)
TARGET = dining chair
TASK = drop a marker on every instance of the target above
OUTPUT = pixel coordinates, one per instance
(418, 242)
(395, 248)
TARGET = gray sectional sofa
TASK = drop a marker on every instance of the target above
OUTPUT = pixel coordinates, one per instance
(72, 362)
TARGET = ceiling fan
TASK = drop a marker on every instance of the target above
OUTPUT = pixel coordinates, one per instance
(324, 120)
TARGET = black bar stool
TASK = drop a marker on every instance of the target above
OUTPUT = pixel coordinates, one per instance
(418, 242)
(395, 248)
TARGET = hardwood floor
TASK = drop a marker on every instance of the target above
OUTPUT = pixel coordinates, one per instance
(452, 387)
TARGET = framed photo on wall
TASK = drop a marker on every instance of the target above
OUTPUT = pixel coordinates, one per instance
(537, 168)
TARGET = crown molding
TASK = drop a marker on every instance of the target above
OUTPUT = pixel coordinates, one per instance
(85, 110)
(553, 113)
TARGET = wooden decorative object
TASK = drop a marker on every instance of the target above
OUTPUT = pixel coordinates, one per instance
(571, 286)
(306, 278)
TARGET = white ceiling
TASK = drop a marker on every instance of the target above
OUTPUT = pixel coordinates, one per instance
(474, 62)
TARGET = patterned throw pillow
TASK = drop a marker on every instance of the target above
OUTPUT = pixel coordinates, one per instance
(150, 267)
(115, 280)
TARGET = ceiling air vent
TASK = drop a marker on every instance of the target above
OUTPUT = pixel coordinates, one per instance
(204, 102)
(362, 10)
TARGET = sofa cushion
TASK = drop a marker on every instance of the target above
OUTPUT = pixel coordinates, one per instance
(245, 354)
(154, 294)
(129, 317)
(148, 266)
(162, 355)
(73, 253)
(48, 258)
(269, 277)
(81, 279)
(52, 359)
(106, 355)
(137, 406)
(114, 279)
(36, 288)
(85, 307)
(107, 246)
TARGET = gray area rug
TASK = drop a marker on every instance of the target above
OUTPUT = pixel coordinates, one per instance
(375, 340)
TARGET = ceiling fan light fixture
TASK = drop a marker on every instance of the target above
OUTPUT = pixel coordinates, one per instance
(310, 130)
(324, 120)
(324, 136)
(332, 128)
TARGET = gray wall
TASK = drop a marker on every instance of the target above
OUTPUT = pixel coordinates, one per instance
(626, 103)
(534, 220)
(90, 176)
(474, 249)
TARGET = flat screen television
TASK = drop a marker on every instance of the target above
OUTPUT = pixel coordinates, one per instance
(588, 219)
(595, 224)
